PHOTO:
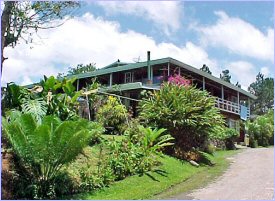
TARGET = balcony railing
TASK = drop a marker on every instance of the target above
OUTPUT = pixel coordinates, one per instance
(227, 106)
(231, 107)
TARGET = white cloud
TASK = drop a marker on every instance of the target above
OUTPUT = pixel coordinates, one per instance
(239, 37)
(242, 72)
(88, 39)
(164, 14)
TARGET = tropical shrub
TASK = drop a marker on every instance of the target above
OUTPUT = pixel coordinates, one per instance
(61, 97)
(261, 130)
(154, 140)
(113, 114)
(230, 137)
(136, 156)
(12, 97)
(36, 107)
(50, 97)
(45, 148)
(187, 113)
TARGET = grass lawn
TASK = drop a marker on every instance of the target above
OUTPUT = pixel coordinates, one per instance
(163, 181)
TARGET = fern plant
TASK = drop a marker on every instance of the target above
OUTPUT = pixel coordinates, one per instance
(47, 147)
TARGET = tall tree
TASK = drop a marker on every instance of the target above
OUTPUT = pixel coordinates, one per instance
(263, 88)
(21, 19)
(225, 76)
(80, 68)
(238, 85)
(206, 69)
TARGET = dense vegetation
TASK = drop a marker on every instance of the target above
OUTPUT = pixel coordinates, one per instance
(187, 113)
(55, 152)
(261, 130)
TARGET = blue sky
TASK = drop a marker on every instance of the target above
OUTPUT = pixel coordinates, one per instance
(238, 36)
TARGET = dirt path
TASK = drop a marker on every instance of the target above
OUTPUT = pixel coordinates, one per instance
(249, 177)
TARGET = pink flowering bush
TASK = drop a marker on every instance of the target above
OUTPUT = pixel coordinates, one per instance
(179, 80)
(187, 113)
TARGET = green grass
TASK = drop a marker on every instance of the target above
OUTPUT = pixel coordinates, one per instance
(162, 182)
(201, 178)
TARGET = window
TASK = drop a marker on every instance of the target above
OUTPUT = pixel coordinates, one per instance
(235, 124)
(128, 77)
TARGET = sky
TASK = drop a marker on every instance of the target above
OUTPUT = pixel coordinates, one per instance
(238, 36)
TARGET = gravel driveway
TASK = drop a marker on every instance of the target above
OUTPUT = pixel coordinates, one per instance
(249, 177)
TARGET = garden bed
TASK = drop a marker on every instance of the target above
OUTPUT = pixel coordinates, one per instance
(162, 181)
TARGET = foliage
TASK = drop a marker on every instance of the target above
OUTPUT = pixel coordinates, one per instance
(261, 130)
(45, 148)
(128, 158)
(64, 104)
(179, 80)
(113, 114)
(80, 68)
(230, 137)
(263, 88)
(238, 85)
(36, 107)
(187, 113)
(206, 69)
(225, 76)
(170, 173)
(133, 131)
(12, 97)
(96, 130)
(155, 140)
(56, 97)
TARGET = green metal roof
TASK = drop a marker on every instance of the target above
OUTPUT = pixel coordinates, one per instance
(211, 77)
(119, 68)
(131, 66)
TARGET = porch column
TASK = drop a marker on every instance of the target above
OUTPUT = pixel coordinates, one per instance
(238, 96)
(111, 79)
(77, 85)
(152, 75)
(222, 93)
(148, 66)
(203, 83)
(179, 70)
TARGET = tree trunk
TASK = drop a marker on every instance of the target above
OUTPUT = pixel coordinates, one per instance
(5, 21)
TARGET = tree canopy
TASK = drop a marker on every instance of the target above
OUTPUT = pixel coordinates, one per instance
(263, 88)
(225, 76)
(206, 69)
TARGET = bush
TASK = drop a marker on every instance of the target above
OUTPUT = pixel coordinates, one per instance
(187, 113)
(113, 114)
(43, 149)
(135, 155)
(230, 137)
(261, 130)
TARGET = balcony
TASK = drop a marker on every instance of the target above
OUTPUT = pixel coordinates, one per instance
(231, 107)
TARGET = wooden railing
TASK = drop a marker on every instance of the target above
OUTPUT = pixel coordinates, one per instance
(227, 106)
